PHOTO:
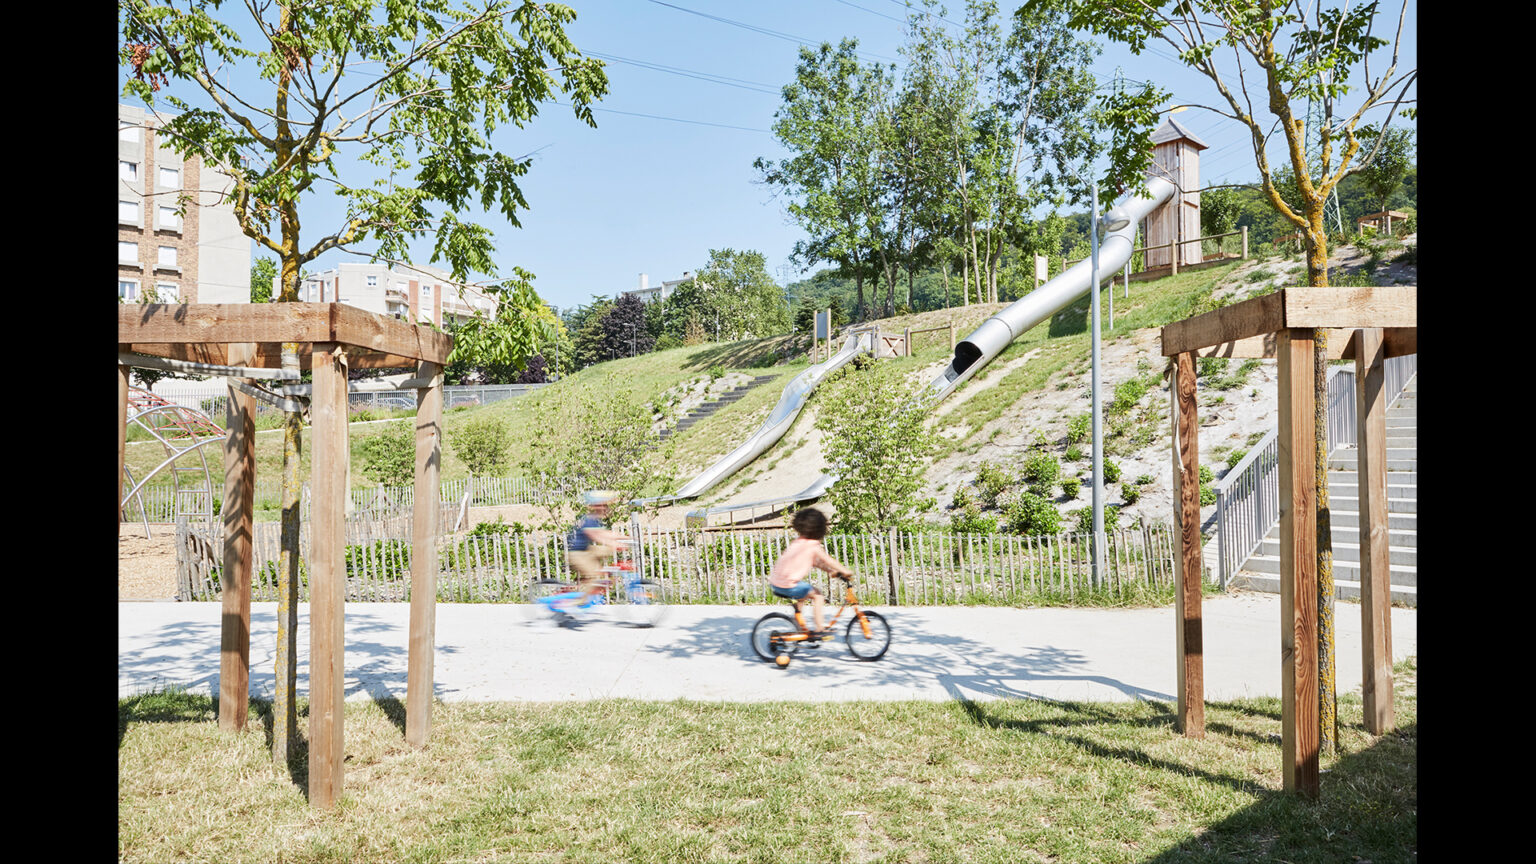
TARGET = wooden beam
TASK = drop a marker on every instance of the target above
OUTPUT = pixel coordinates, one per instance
(275, 323)
(1375, 566)
(1395, 306)
(1188, 630)
(1249, 318)
(122, 437)
(238, 516)
(1396, 342)
(327, 621)
(1298, 566)
(424, 531)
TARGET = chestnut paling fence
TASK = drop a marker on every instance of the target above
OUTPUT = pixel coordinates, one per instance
(718, 567)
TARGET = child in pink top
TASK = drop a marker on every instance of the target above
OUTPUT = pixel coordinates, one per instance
(788, 578)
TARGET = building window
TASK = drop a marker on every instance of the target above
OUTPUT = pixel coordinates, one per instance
(127, 253)
(170, 219)
(127, 131)
(373, 281)
(166, 292)
(170, 178)
(127, 290)
(167, 256)
(128, 211)
(128, 171)
(426, 294)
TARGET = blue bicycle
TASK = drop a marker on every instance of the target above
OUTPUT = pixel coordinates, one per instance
(644, 601)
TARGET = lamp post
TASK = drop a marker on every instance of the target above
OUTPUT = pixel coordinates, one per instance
(1114, 220)
(631, 340)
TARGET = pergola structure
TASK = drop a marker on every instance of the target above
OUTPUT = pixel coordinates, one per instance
(244, 342)
(1370, 324)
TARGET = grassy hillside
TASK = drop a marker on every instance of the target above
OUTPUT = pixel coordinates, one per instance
(659, 379)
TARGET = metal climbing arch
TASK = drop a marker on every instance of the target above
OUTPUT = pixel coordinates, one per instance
(180, 431)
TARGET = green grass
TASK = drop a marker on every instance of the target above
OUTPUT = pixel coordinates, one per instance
(1004, 780)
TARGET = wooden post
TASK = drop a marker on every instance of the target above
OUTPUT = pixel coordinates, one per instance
(906, 343)
(951, 337)
(327, 621)
(1375, 566)
(891, 572)
(1298, 564)
(418, 682)
(1188, 629)
(1245, 242)
(122, 434)
(238, 519)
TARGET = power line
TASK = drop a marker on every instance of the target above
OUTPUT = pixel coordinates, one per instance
(672, 119)
(788, 37)
(691, 73)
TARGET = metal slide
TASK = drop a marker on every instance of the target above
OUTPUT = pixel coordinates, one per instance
(779, 419)
(999, 331)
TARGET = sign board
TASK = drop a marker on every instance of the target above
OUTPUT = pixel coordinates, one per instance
(824, 324)
(1042, 268)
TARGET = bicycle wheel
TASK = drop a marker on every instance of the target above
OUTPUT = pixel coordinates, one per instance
(873, 646)
(531, 608)
(766, 626)
(646, 604)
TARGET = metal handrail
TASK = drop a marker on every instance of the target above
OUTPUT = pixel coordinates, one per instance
(1248, 496)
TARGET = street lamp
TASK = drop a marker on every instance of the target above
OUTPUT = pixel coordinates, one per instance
(631, 340)
(1114, 220)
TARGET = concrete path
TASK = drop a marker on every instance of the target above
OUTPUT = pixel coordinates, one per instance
(493, 653)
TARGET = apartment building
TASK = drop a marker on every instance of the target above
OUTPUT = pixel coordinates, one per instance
(414, 292)
(200, 256)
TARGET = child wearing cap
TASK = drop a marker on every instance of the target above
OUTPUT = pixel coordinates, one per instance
(590, 544)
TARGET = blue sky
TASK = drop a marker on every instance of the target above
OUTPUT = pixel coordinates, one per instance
(667, 174)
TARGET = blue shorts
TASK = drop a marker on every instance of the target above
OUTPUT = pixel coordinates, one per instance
(801, 589)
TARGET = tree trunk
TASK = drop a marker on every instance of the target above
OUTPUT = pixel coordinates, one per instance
(1317, 276)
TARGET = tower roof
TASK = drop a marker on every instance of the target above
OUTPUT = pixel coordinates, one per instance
(1172, 131)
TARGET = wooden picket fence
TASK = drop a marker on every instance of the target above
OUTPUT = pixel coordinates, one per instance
(722, 567)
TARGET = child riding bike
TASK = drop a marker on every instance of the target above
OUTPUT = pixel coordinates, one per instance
(788, 577)
(588, 547)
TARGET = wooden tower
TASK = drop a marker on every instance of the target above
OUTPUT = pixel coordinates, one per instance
(1175, 156)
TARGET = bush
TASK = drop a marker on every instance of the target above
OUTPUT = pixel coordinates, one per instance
(962, 498)
(1130, 493)
(1070, 486)
(1207, 490)
(390, 456)
(484, 444)
(1128, 393)
(716, 372)
(1144, 480)
(1085, 519)
(1111, 472)
(382, 559)
(1074, 454)
(492, 529)
(1032, 514)
(1041, 471)
(991, 482)
(970, 520)
(1079, 428)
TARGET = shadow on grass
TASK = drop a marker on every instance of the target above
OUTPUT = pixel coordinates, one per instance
(742, 354)
(1366, 810)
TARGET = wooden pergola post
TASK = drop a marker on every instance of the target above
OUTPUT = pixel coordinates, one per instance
(1375, 575)
(1190, 719)
(424, 530)
(122, 434)
(327, 616)
(1298, 564)
(238, 519)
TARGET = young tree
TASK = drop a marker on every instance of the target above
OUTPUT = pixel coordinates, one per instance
(625, 333)
(415, 87)
(484, 444)
(737, 287)
(878, 446)
(1285, 55)
(1219, 209)
(263, 274)
(1394, 156)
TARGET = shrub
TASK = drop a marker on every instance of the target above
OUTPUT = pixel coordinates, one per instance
(1085, 518)
(491, 529)
(1111, 472)
(1207, 490)
(1041, 471)
(382, 559)
(1129, 392)
(1079, 428)
(1070, 486)
(1033, 514)
(962, 498)
(716, 372)
(1130, 493)
(1144, 480)
(970, 520)
(1210, 367)
(484, 444)
(390, 456)
(1074, 453)
(991, 482)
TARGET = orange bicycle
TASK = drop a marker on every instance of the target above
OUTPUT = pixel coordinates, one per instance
(776, 636)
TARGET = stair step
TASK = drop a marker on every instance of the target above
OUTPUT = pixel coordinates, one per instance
(1349, 549)
(1351, 504)
(1402, 574)
(1343, 589)
(1345, 517)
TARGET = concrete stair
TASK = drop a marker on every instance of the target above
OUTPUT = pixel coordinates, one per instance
(706, 409)
(1261, 571)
